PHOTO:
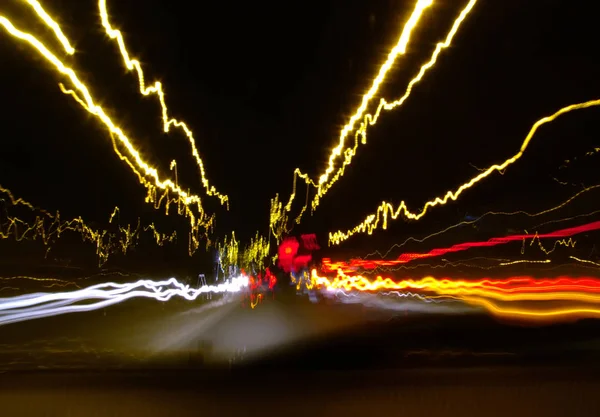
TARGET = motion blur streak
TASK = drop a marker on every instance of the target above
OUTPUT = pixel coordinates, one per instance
(39, 305)
(156, 88)
(372, 221)
(329, 266)
(570, 312)
(481, 217)
(404, 302)
(361, 283)
(132, 64)
(580, 294)
(49, 227)
(399, 49)
(371, 119)
(185, 201)
(52, 24)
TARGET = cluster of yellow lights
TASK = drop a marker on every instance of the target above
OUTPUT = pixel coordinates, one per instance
(48, 228)
(256, 253)
(228, 251)
(387, 210)
(159, 190)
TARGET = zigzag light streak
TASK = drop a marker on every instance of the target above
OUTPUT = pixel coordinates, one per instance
(49, 227)
(329, 266)
(580, 294)
(399, 49)
(386, 209)
(157, 89)
(371, 119)
(132, 64)
(491, 213)
(185, 200)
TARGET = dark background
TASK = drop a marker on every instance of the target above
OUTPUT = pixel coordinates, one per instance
(266, 88)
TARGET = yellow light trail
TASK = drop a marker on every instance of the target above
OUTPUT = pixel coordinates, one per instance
(569, 243)
(386, 210)
(52, 24)
(49, 227)
(586, 261)
(399, 49)
(131, 64)
(371, 119)
(185, 200)
(493, 213)
(228, 251)
(255, 254)
(157, 89)
(525, 261)
(54, 281)
(535, 314)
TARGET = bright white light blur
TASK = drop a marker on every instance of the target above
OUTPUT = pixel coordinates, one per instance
(39, 305)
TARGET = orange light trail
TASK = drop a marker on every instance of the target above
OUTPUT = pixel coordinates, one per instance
(385, 210)
(579, 293)
(186, 201)
(443, 285)
(585, 261)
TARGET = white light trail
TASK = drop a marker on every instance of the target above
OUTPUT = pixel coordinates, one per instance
(39, 305)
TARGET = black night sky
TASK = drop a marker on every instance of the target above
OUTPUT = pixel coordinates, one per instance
(266, 88)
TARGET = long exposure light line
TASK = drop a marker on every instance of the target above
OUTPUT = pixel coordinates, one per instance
(131, 64)
(492, 213)
(185, 200)
(157, 89)
(329, 266)
(397, 50)
(371, 119)
(529, 313)
(49, 227)
(387, 210)
(581, 294)
(52, 24)
(39, 305)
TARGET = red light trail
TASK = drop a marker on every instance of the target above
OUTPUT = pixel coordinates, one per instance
(329, 266)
